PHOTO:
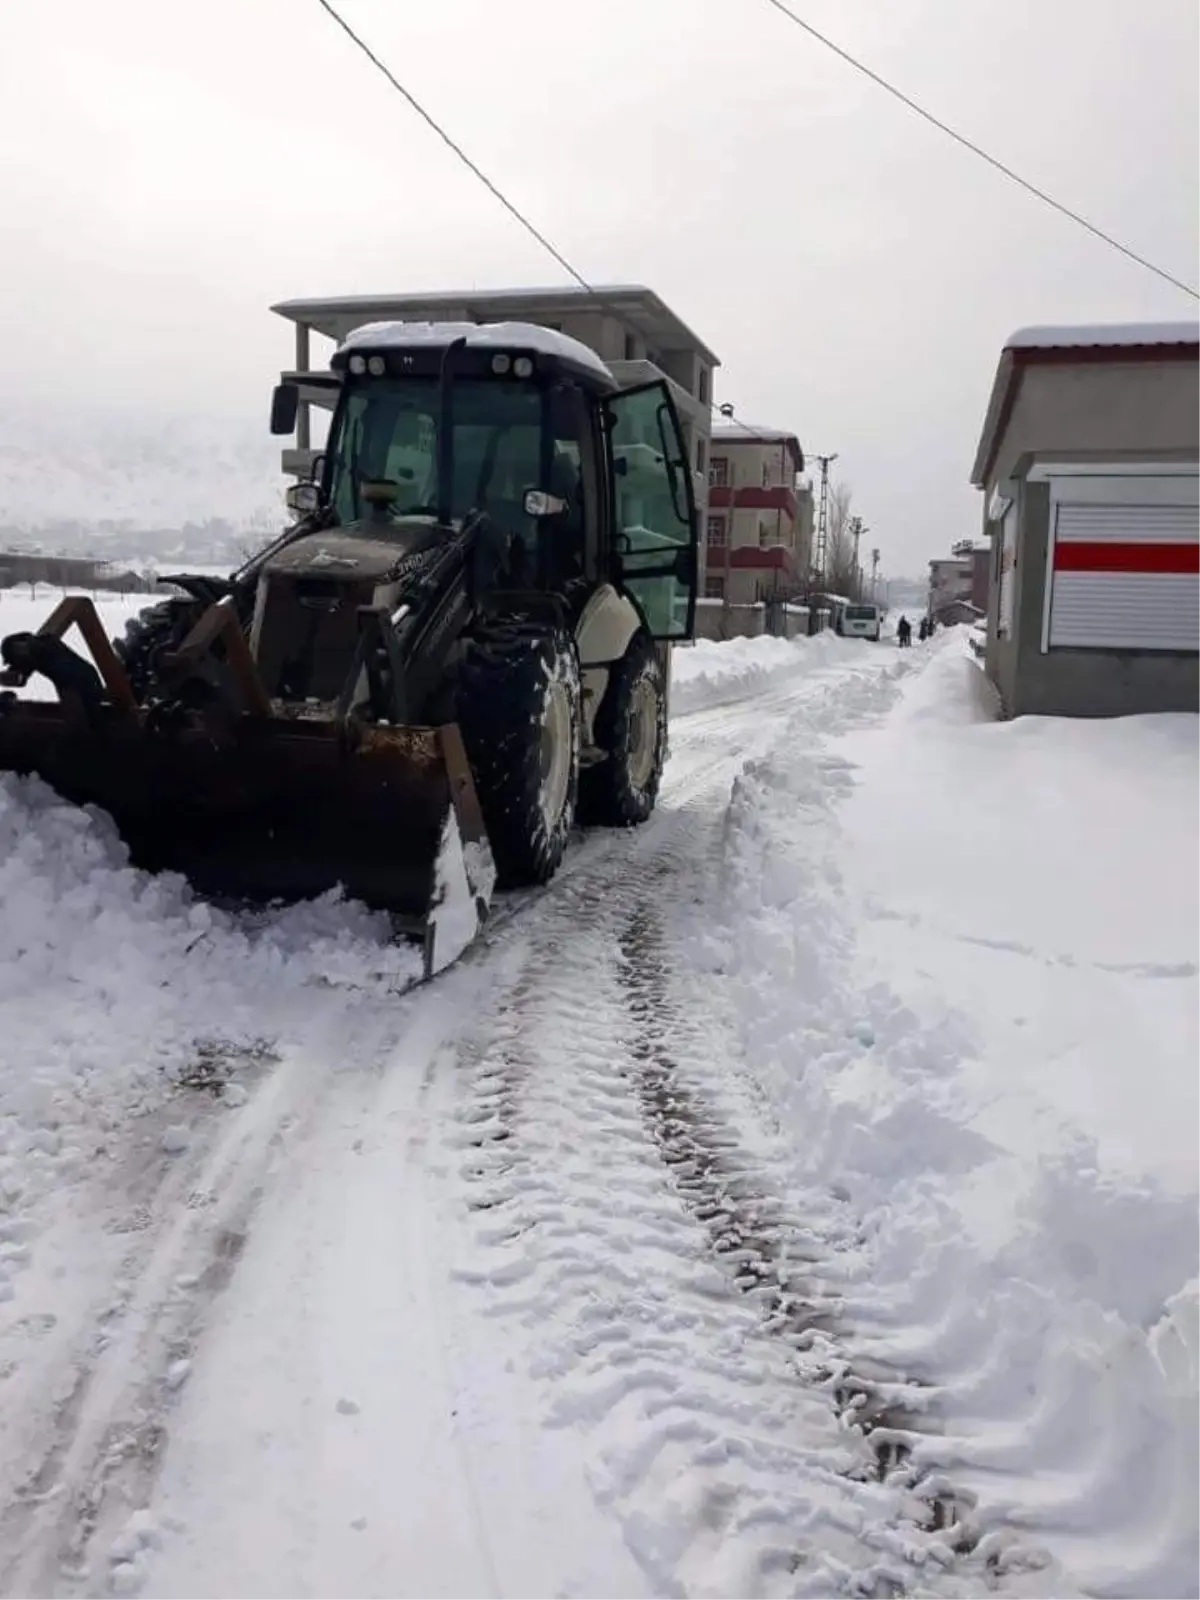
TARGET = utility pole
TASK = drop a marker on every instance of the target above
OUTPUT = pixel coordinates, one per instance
(874, 577)
(857, 529)
(820, 554)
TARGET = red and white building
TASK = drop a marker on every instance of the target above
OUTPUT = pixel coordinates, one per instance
(759, 520)
(1090, 467)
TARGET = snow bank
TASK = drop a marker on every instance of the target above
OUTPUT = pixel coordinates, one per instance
(712, 672)
(965, 954)
(116, 989)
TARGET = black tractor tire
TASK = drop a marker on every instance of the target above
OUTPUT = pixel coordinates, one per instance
(164, 624)
(631, 727)
(518, 708)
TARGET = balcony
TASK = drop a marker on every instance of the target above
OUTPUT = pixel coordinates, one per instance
(749, 497)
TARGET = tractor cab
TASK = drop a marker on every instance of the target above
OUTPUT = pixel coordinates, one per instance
(578, 481)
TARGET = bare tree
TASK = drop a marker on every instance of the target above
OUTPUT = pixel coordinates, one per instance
(840, 576)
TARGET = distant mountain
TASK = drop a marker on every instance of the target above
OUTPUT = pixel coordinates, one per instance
(173, 488)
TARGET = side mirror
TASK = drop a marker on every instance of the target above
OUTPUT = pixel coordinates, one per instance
(303, 498)
(538, 503)
(285, 403)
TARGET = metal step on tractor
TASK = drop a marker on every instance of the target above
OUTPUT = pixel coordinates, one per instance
(461, 645)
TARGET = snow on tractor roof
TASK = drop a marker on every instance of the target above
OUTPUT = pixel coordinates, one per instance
(485, 335)
(1099, 333)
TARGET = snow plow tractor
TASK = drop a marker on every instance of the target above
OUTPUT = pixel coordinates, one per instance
(460, 646)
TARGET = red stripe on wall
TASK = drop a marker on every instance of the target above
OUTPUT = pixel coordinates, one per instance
(1098, 555)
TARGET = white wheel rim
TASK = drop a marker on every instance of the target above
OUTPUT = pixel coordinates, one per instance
(555, 754)
(643, 733)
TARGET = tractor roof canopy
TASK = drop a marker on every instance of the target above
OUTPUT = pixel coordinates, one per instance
(416, 348)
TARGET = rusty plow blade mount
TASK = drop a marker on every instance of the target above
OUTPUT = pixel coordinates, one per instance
(275, 806)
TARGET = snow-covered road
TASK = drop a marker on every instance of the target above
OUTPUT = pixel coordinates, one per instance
(570, 1273)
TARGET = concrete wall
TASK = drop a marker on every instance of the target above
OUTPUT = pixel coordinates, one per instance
(715, 620)
(1078, 683)
(1096, 409)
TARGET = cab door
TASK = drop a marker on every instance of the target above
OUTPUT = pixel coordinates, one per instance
(655, 554)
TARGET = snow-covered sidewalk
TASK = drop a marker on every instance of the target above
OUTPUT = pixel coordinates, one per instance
(966, 954)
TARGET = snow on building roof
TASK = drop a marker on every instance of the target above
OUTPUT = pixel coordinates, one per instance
(1137, 341)
(485, 335)
(1091, 335)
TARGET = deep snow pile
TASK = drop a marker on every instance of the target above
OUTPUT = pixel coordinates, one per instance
(712, 672)
(965, 957)
(117, 990)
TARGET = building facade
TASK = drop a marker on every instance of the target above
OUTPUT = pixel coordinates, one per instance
(758, 530)
(1088, 463)
(639, 338)
(959, 582)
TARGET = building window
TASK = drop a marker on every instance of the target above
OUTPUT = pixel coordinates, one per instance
(766, 535)
(714, 587)
(766, 474)
(702, 385)
(717, 533)
(718, 472)
(700, 455)
(631, 352)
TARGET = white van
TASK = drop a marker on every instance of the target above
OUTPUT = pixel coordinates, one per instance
(861, 621)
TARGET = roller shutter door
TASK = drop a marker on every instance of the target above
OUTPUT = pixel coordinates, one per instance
(1125, 577)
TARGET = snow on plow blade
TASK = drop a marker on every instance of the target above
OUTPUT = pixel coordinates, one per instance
(280, 808)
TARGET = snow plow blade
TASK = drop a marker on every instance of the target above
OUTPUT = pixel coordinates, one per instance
(279, 808)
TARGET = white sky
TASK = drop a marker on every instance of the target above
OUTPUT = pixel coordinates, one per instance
(168, 170)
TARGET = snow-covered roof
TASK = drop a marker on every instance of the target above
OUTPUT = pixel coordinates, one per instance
(481, 335)
(1160, 341)
(1103, 334)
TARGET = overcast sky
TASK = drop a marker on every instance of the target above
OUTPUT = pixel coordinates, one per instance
(169, 170)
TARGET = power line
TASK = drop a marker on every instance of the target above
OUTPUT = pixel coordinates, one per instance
(977, 150)
(494, 189)
(457, 148)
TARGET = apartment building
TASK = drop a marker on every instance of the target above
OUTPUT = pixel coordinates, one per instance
(959, 581)
(760, 515)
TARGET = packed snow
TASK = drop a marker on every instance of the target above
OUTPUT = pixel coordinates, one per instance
(798, 1197)
(711, 671)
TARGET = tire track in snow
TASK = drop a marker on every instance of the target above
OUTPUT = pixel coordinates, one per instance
(110, 1375)
(669, 1296)
(776, 1260)
(76, 1522)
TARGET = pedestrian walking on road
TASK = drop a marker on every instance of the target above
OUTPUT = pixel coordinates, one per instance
(923, 630)
(904, 633)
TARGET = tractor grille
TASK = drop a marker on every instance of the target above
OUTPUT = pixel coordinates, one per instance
(306, 633)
